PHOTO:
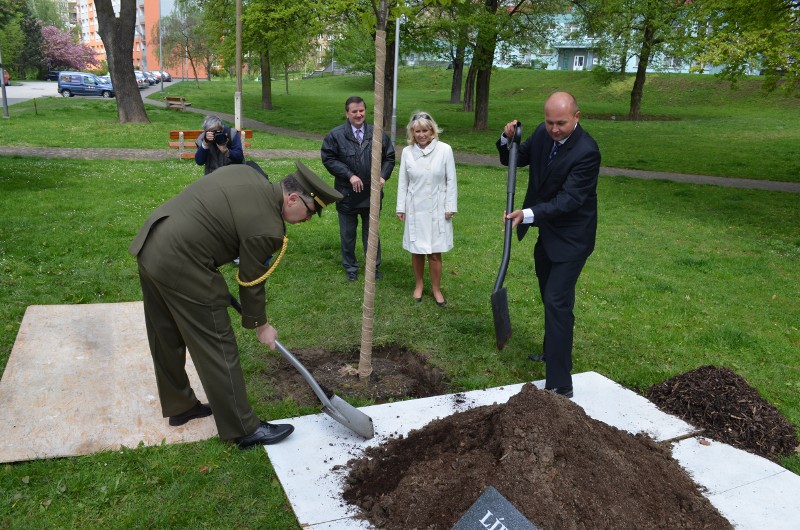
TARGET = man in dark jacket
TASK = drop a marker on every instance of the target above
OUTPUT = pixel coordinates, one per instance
(347, 155)
(234, 211)
(561, 201)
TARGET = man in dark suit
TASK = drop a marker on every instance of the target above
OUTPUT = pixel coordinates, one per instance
(234, 211)
(347, 155)
(561, 201)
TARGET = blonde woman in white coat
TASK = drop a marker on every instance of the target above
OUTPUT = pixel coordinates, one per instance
(426, 201)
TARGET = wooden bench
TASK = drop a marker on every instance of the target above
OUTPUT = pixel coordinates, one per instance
(184, 141)
(177, 103)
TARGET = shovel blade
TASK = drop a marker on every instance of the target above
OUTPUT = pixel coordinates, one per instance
(349, 416)
(502, 320)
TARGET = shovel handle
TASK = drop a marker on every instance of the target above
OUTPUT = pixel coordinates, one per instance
(293, 361)
(305, 373)
(510, 188)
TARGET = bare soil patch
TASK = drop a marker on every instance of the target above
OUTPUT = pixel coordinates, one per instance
(397, 374)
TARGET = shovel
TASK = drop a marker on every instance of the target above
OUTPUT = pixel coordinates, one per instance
(332, 405)
(502, 320)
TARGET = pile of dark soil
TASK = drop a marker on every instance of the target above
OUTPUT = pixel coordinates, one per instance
(559, 467)
(728, 409)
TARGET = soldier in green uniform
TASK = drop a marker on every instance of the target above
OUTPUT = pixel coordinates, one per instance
(234, 211)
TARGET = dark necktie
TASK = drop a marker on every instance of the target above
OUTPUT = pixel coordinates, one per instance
(553, 152)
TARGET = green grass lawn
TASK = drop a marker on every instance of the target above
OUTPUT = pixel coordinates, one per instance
(683, 276)
(92, 122)
(695, 123)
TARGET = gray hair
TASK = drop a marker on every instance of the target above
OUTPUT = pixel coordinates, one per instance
(212, 123)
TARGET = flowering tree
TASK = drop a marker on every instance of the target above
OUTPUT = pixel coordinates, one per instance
(61, 51)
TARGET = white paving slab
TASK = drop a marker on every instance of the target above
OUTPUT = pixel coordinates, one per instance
(750, 491)
(310, 464)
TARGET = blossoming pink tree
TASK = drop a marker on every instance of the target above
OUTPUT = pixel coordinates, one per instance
(61, 51)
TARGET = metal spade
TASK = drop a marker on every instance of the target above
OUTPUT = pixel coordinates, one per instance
(502, 319)
(332, 405)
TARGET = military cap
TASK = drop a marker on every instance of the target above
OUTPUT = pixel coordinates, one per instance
(315, 187)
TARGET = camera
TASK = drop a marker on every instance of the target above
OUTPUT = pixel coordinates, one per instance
(220, 138)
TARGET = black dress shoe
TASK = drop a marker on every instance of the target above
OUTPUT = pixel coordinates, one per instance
(537, 358)
(199, 410)
(351, 276)
(266, 434)
(378, 275)
(565, 391)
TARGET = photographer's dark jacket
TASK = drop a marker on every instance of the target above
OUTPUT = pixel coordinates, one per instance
(213, 158)
(343, 158)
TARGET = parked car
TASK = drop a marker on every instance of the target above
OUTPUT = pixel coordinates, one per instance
(141, 80)
(52, 75)
(83, 84)
(156, 74)
(167, 77)
(151, 79)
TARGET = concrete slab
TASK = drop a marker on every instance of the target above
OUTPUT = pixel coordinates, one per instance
(80, 380)
(310, 463)
(750, 491)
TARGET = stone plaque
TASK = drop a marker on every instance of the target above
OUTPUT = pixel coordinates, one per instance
(492, 511)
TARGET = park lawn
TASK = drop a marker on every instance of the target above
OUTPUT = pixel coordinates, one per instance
(92, 122)
(683, 276)
(694, 124)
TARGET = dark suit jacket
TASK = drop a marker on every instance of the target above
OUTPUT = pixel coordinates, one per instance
(343, 157)
(563, 195)
(231, 212)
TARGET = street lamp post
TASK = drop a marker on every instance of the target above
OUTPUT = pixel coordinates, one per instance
(237, 98)
(160, 47)
(3, 84)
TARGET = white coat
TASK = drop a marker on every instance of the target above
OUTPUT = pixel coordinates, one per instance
(426, 189)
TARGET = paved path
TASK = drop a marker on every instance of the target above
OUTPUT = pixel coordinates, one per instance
(266, 154)
(461, 158)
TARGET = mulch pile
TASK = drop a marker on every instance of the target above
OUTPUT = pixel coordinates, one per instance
(556, 465)
(728, 409)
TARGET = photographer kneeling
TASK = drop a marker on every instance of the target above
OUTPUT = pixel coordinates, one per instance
(219, 145)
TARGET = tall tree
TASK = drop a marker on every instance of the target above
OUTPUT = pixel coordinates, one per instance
(12, 37)
(642, 28)
(281, 31)
(49, 13)
(30, 59)
(60, 50)
(490, 25)
(187, 39)
(207, 33)
(117, 34)
(742, 35)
